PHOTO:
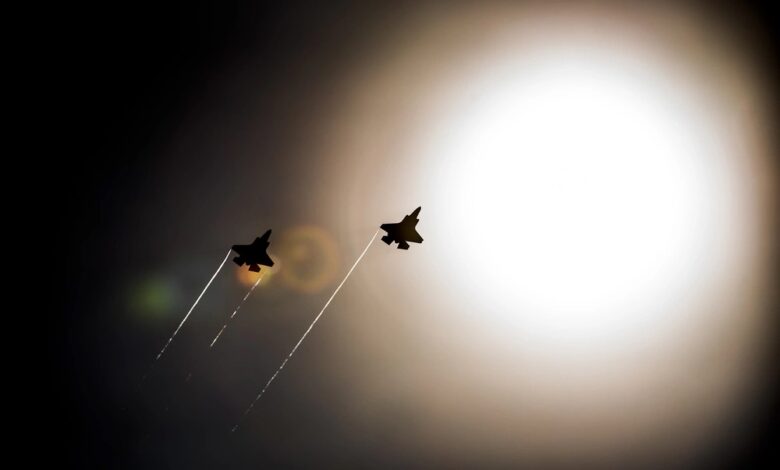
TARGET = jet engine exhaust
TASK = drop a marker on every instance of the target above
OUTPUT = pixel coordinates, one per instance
(308, 330)
(189, 312)
(236, 310)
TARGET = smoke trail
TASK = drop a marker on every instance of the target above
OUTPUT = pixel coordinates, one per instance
(190, 311)
(236, 310)
(267, 384)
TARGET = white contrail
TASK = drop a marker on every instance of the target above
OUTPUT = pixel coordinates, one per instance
(267, 384)
(236, 310)
(191, 308)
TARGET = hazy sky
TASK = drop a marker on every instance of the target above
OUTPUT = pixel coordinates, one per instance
(595, 287)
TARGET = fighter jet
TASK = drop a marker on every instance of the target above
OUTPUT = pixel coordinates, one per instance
(403, 232)
(255, 254)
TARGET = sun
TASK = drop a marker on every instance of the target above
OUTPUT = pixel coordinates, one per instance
(584, 189)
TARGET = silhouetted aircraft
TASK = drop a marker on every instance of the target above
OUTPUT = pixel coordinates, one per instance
(403, 232)
(254, 255)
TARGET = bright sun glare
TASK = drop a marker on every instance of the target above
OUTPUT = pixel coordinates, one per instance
(587, 190)
(594, 202)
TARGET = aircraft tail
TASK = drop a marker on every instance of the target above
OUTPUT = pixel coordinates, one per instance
(387, 239)
(238, 260)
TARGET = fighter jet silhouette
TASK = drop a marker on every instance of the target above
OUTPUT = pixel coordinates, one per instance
(255, 254)
(403, 232)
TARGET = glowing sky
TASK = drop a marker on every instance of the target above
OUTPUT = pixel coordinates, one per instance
(593, 191)
(594, 286)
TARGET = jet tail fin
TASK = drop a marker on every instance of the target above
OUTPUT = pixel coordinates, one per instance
(387, 239)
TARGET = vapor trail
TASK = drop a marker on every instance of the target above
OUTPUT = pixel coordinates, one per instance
(306, 333)
(236, 310)
(190, 311)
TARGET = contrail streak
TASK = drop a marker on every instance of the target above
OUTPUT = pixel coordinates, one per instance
(306, 333)
(190, 311)
(236, 310)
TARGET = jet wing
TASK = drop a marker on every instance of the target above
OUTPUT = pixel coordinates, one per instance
(416, 238)
(266, 260)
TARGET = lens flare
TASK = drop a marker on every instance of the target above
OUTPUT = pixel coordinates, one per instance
(311, 258)
(154, 297)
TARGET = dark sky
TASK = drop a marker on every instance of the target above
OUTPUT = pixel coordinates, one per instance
(134, 75)
(131, 78)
